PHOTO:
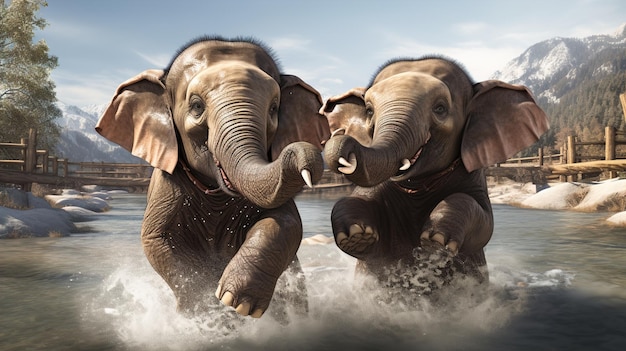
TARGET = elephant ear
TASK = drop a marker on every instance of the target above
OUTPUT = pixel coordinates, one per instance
(139, 119)
(502, 120)
(347, 116)
(298, 116)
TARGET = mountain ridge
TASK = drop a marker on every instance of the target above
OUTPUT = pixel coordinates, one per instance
(544, 64)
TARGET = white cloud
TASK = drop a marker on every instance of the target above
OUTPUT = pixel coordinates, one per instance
(480, 59)
(86, 89)
(289, 43)
(157, 60)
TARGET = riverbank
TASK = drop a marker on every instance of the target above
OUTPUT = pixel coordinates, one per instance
(604, 196)
(26, 215)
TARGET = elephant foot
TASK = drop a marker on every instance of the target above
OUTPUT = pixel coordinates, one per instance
(358, 240)
(246, 285)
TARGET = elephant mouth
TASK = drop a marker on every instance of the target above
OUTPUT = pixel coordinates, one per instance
(406, 164)
(225, 182)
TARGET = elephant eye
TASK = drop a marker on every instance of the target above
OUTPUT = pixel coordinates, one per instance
(369, 111)
(273, 109)
(196, 106)
(440, 110)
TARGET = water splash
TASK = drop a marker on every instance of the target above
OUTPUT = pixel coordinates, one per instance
(137, 305)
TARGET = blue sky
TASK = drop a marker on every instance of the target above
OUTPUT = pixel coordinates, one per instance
(333, 45)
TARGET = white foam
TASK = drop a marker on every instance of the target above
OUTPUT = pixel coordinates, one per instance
(140, 307)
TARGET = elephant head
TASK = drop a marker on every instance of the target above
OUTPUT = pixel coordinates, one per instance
(223, 111)
(421, 116)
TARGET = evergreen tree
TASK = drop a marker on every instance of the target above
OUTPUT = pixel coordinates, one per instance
(27, 96)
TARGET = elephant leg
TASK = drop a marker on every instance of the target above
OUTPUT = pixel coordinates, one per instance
(188, 274)
(355, 226)
(248, 281)
(461, 225)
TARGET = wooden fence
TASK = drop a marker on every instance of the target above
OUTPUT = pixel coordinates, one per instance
(38, 166)
(573, 163)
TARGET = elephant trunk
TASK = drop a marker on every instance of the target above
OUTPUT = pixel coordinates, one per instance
(271, 184)
(362, 165)
(243, 156)
(395, 146)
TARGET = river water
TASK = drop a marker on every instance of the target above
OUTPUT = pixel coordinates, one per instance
(557, 282)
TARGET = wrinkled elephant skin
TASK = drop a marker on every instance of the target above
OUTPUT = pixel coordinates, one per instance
(429, 132)
(232, 141)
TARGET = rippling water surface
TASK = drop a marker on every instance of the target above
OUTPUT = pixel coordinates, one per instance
(558, 282)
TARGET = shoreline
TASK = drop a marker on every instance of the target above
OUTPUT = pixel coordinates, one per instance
(27, 216)
(56, 215)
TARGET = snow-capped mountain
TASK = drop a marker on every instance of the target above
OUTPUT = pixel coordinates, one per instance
(549, 66)
(79, 140)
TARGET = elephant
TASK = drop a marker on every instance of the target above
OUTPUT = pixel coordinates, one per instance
(415, 143)
(232, 140)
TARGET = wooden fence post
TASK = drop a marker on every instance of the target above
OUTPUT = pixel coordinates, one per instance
(609, 139)
(571, 149)
(30, 160)
(23, 141)
(65, 167)
(609, 148)
(571, 156)
(540, 154)
(44, 162)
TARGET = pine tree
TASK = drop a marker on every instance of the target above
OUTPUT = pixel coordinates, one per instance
(27, 96)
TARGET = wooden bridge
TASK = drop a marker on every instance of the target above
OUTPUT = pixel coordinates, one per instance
(38, 166)
(571, 164)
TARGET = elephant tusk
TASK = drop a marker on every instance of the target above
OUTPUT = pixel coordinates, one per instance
(343, 162)
(340, 131)
(306, 175)
(406, 164)
(349, 167)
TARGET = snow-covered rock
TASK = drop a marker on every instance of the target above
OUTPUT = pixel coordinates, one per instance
(561, 196)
